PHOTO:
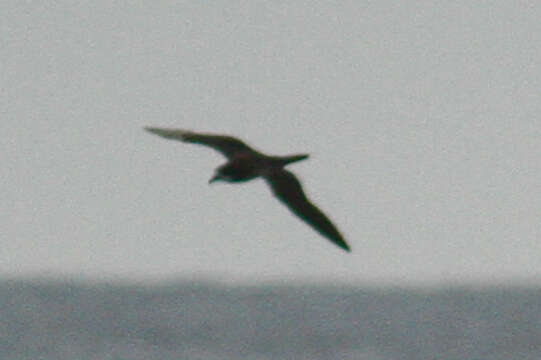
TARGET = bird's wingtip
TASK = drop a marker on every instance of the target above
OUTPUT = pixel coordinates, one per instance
(151, 129)
(345, 247)
(168, 133)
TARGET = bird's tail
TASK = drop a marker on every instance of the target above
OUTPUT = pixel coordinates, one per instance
(284, 160)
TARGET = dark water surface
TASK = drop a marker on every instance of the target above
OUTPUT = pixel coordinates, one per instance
(71, 320)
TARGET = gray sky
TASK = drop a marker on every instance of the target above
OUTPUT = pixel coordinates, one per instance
(422, 120)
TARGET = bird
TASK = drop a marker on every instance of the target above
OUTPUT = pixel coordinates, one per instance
(245, 163)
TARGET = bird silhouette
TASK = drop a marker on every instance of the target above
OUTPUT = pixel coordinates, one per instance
(245, 163)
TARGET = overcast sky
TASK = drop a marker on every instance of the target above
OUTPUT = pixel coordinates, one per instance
(422, 119)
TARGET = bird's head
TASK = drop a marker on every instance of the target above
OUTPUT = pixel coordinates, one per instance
(221, 174)
(226, 172)
(216, 177)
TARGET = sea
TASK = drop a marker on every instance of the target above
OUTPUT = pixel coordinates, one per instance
(78, 320)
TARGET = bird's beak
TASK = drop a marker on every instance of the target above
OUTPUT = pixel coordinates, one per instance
(214, 178)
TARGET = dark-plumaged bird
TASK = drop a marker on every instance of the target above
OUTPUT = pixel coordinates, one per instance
(245, 163)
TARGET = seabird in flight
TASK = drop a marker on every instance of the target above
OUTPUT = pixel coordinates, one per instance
(245, 163)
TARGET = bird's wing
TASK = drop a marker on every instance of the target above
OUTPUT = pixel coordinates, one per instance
(227, 145)
(288, 190)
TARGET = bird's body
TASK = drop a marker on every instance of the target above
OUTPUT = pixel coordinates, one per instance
(245, 164)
